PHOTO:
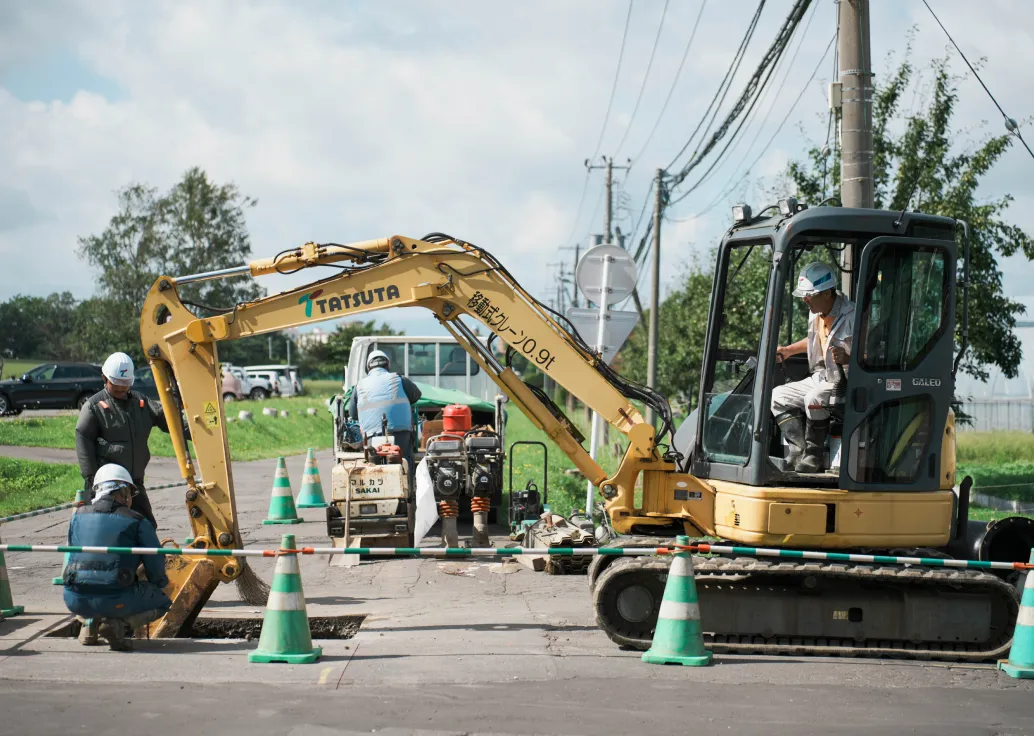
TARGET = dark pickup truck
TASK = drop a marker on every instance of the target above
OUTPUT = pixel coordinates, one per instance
(51, 386)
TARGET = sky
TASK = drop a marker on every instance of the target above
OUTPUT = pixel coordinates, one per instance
(351, 120)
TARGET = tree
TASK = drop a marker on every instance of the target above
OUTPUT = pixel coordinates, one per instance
(36, 327)
(197, 226)
(331, 357)
(922, 168)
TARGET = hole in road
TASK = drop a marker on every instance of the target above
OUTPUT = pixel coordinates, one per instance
(321, 627)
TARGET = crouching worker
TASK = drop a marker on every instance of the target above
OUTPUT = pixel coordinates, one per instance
(102, 590)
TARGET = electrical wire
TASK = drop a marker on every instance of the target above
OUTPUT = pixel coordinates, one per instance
(617, 75)
(748, 97)
(1010, 124)
(674, 82)
(603, 129)
(723, 87)
(646, 77)
(772, 138)
(752, 116)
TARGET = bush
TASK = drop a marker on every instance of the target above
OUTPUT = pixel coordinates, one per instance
(1014, 481)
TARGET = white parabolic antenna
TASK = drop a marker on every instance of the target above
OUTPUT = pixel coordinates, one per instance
(621, 273)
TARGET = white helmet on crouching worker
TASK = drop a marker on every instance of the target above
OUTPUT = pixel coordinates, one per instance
(118, 369)
(814, 279)
(112, 478)
(377, 359)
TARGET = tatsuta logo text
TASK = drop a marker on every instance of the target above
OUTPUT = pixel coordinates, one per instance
(349, 300)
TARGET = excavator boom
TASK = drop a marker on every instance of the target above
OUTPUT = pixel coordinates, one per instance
(450, 278)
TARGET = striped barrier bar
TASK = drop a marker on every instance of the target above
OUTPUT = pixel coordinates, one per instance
(39, 512)
(73, 504)
(514, 551)
(848, 557)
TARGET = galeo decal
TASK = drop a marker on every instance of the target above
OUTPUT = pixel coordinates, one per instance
(349, 300)
(926, 382)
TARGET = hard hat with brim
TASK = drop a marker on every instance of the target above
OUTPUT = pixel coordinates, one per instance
(377, 356)
(112, 478)
(814, 279)
(118, 369)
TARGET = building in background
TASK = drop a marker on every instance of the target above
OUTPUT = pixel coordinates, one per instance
(305, 340)
(1003, 404)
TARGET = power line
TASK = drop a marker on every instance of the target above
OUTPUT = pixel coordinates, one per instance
(748, 97)
(723, 87)
(646, 76)
(779, 89)
(617, 75)
(1010, 123)
(674, 82)
(779, 128)
(603, 129)
(768, 113)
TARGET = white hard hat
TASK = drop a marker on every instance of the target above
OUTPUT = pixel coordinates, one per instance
(814, 279)
(118, 369)
(111, 478)
(377, 356)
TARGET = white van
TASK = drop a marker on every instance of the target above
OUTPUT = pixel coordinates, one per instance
(287, 381)
(437, 361)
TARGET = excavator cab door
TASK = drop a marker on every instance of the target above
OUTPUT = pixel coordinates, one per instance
(900, 378)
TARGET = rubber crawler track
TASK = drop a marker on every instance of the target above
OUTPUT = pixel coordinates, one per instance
(777, 572)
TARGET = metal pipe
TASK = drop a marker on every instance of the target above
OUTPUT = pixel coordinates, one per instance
(223, 273)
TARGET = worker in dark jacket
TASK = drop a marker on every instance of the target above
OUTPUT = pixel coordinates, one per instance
(103, 590)
(113, 427)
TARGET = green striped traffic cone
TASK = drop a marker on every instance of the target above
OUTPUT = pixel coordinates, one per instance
(1020, 663)
(678, 638)
(311, 494)
(281, 503)
(7, 607)
(80, 499)
(285, 633)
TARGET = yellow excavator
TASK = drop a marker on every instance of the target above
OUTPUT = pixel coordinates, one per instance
(722, 474)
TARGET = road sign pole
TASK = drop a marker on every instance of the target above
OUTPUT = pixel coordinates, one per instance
(601, 341)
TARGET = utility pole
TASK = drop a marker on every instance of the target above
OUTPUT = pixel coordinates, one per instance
(655, 283)
(856, 176)
(271, 347)
(608, 217)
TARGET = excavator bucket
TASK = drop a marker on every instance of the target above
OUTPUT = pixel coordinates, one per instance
(191, 583)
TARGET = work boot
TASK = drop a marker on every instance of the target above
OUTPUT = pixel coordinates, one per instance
(814, 446)
(115, 630)
(791, 424)
(88, 635)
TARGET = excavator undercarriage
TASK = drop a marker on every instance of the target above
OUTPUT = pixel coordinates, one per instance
(758, 606)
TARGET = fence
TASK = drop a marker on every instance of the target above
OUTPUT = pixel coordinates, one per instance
(999, 415)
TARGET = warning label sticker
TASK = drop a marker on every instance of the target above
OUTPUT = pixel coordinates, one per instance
(211, 414)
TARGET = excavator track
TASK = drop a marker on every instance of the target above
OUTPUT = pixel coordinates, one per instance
(778, 607)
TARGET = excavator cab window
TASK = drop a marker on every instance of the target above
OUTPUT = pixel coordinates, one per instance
(728, 409)
(901, 369)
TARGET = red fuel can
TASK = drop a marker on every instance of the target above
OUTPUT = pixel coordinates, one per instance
(456, 418)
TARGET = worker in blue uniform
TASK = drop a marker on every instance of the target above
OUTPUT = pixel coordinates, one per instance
(381, 396)
(104, 590)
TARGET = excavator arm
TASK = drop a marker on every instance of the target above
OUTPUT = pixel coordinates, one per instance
(451, 279)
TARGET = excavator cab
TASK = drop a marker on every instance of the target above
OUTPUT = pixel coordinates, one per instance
(895, 420)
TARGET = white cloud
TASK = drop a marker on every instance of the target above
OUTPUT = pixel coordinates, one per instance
(351, 122)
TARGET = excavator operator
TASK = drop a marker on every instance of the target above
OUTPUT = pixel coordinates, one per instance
(381, 395)
(828, 344)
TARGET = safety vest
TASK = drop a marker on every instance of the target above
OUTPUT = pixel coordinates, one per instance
(102, 524)
(381, 394)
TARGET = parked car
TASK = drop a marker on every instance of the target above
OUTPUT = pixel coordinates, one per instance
(251, 387)
(51, 386)
(284, 378)
(143, 382)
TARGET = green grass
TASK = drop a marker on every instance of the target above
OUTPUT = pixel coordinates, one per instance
(263, 438)
(321, 388)
(982, 513)
(566, 492)
(994, 448)
(16, 367)
(26, 485)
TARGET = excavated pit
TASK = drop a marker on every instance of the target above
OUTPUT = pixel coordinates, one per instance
(248, 629)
